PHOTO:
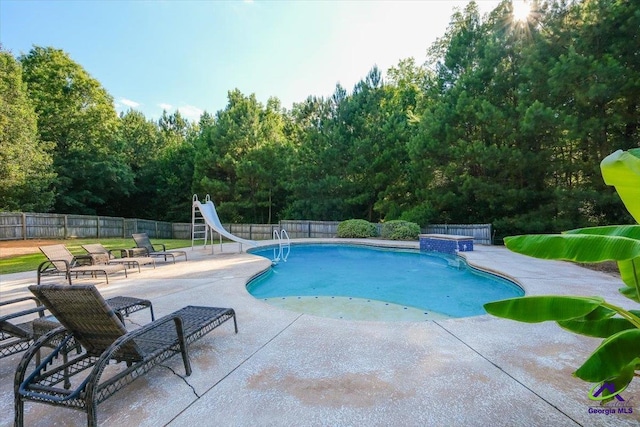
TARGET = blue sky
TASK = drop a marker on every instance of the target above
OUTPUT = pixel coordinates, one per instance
(186, 55)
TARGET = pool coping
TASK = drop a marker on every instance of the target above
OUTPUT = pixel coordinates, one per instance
(285, 368)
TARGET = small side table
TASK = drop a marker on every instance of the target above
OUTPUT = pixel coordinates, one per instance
(132, 253)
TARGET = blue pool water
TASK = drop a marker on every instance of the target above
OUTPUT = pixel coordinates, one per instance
(409, 279)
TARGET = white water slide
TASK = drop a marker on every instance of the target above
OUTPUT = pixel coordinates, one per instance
(212, 221)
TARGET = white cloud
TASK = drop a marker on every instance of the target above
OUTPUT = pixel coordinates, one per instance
(165, 106)
(190, 112)
(129, 103)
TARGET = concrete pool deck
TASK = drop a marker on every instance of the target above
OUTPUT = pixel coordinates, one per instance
(284, 368)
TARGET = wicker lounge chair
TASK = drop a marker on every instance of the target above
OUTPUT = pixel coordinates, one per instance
(142, 241)
(62, 262)
(98, 249)
(83, 382)
(17, 337)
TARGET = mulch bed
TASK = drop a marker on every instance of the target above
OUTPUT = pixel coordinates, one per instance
(9, 248)
(610, 267)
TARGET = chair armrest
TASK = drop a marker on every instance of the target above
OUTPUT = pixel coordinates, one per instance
(58, 335)
(164, 248)
(37, 309)
(50, 263)
(16, 300)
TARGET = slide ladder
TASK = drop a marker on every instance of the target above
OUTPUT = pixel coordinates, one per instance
(209, 214)
(281, 253)
(199, 228)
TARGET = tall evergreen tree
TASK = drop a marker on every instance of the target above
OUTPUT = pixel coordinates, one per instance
(77, 116)
(25, 164)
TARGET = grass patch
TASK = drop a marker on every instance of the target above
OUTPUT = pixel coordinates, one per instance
(30, 262)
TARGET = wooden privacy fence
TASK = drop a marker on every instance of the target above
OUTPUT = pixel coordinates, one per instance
(481, 233)
(22, 226)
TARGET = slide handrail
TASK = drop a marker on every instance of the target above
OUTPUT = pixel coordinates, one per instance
(210, 215)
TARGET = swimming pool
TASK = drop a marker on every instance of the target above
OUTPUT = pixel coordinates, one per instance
(373, 283)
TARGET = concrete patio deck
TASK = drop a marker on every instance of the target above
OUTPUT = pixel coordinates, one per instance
(284, 368)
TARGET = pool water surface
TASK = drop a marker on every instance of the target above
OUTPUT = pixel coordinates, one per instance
(371, 283)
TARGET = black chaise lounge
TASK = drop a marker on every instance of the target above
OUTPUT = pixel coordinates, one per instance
(17, 335)
(18, 329)
(142, 241)
(90, 337)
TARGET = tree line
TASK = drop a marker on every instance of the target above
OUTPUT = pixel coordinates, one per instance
(506, 122)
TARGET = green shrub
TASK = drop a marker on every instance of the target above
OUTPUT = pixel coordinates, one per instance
(400, 230)
(357, 228)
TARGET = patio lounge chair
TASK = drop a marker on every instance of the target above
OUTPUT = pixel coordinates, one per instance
(142, 241)
(83, 382)
(98, 249)
(62, 262)
(17, 337)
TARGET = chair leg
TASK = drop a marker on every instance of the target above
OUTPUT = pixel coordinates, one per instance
(92, 414)
(183, 346)
(18, 420)
(65, 359)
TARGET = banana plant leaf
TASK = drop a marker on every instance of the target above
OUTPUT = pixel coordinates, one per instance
(620, 383)
(629, 269)
(575, 247)
(612, 357)
(630, 231)
(600, 313)
(622, 170)
(603, 328)
(536, 309)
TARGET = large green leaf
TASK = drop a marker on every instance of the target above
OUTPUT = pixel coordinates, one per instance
(629, 292)
(622, 170)
(620, 382)
(629, 269)
(603, 328)
(630, 275)
(630, 231)
(575, 247)
(600, 313)
(611, 357)
(536, 309)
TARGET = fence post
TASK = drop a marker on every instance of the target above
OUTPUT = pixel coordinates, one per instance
(24, 226)
(97, 227)
(65, 227)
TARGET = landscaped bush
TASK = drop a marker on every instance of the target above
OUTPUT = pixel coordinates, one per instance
(400, 230)
(356, 228)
